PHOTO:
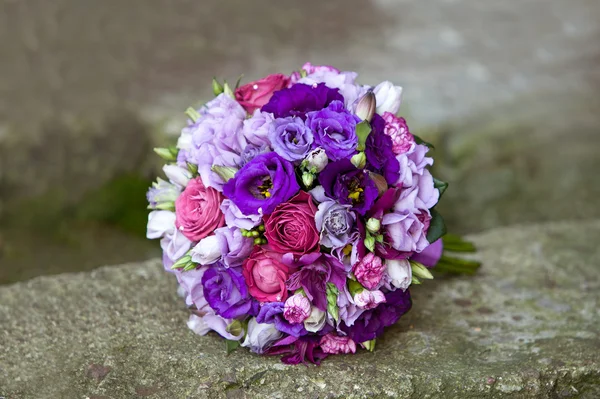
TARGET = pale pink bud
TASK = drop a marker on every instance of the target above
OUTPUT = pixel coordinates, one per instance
(334, 344)
(369, 270)
(369, 299)
(296, 308)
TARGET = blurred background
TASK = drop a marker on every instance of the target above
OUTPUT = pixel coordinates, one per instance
(509, 92)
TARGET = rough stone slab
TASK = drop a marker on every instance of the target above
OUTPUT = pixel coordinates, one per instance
(526, 326)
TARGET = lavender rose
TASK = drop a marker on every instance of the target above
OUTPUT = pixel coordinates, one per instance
(335, 222)
(348, 185)
(262, 184)
(300, 99)
(335, 130)
(291, 138)
(226, 292)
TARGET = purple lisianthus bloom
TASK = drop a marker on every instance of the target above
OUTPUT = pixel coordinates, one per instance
(272, 312)
(342, 181)
(162, 192)
(335, 130)
(262, 184)
(235, 218)
(256, 128)
(371, 323)
(300, 99)
(250, 152)
(318, 270)
(291, 138)
(191, 282)
(335, 222)
(226, 292)
(379, 152)
(234, 247)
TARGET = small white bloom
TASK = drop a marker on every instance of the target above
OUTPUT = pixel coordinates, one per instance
(316, 320)
(177, 175)
(316, 160)
(400, 272)
(160, 223)
(207, 251)
(373, 225)
(260, 336)
(198, 325)
(388, 97)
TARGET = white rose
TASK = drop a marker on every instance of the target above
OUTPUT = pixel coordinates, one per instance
(207, 251)
(260, 336)
(160, 223)
(316, 320)
(177, 175)
(388, 97)
(400, 272)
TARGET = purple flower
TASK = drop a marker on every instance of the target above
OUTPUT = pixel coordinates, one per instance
(272, 313)
(162, 192)
(299, 350)
(250, 152)
(234, 247)
(335, 130)
(235, 218)
(226, 292)
(334, 221)
(301, 99)
(379, 151)
(256, 128)
(191, 282)
(291, 138)
(297, 308)
(407, 232)
(262, 184)
(431, 255)
(371, 323)
(348, 185)
(318, 270)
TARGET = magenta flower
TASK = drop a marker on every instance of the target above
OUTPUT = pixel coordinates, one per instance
(369, 270)
(397, 129)
(296, 308)
(335, 344)
(369, 299)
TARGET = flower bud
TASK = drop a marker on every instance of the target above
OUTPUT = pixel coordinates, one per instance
(359, 160)
(366, 106)
(227, 90)
(400, 273)
(217, 87)
(235, 328)
(177, 175)
(316, 160)
(369, 345)
(420, 271)
(261, 336)
(373, 225)
(224, 172)
(316, 320)
(388, 97)
(207, 251)
(308, 179)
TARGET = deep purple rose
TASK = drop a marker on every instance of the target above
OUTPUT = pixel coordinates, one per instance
(335, 130)
(348, 185)
(291, 138)
(272, 313)
(301, 99)
(380, 153)
(262, 184)
(319, 270)
(371, 323)
(226, 292)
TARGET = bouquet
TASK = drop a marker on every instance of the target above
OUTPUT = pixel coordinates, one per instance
(297, 212)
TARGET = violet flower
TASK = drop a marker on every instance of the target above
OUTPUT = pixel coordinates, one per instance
(227, 293)
(300, 99)
(335, 222)
(379, 151)
(291, 138)
(335, 130)
(299, 350)
(272, 313)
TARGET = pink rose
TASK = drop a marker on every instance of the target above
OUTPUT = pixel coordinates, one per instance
(296, 309)
(266, 275)
(334, 344)
(369, 299)
(395, 127)
(255, 94)
(369, 271)
(198, 210)
(310, 69)
(291, 227)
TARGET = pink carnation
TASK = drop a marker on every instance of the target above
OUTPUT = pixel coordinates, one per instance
(369, 299)
(369, 270)
(334, 344)
(296, 309)
(397, 129)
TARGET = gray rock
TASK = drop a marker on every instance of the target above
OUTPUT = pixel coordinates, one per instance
(525, 327)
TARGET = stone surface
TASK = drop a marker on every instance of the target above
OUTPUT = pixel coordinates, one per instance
(525, 326)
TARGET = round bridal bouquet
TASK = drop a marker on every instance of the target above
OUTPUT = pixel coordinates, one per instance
(296, 213)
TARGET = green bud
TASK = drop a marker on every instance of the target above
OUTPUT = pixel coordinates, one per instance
(420, 271)
(303, 73)
(165, 206)
(370, 243)
(217, 87)
(359, 160)
(261, 227)
(415, 280)
(192, 114)
(255, 233)
(355, 287)
(373, 225)
(190, 266)
(369, 345)
(263, 241)
(166, 154)
(182, 262)
(235, 328)
(308, 179)
(363, 130)
(227, 90)
(224, 172)
(192, 168)
(257, 241)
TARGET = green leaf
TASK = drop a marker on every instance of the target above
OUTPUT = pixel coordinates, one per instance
(192, 168)
(454, 243)
(457, 266)
(363, 130)
(182, 262)
(437, 227)
(369, 345)
(370, 242)
(232, 345)
(332, 295)
(419, 140)
(440, 185)
(237, 84)
(379, 238)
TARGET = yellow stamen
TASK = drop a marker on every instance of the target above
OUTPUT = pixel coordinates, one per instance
(347, 249)
(267, 194)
